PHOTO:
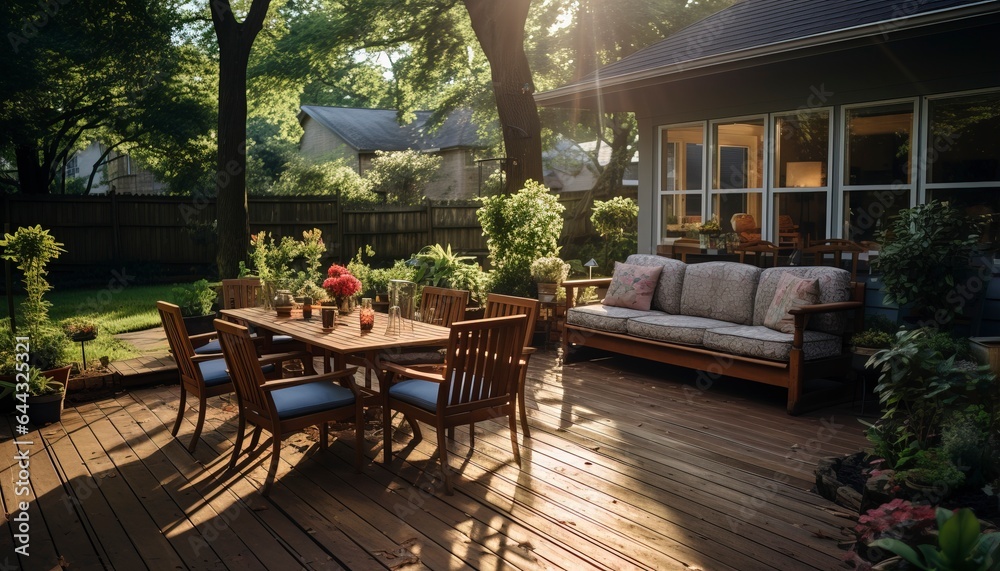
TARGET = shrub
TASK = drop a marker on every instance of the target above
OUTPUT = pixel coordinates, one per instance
(288, 263)
(194, 299)
(401, 176)
(872, 339)
(519, 229)
(302, 177)
(616, 221)
(549, 270)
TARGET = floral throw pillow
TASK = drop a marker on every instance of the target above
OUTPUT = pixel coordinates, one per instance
(791, 292)
(632, 286)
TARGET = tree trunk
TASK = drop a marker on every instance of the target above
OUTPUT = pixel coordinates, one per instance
(499, 26)
(609, 183)
(30, 174)
(232, 217)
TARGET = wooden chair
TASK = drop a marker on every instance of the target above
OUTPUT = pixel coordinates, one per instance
(477, 383)
(835, 248)
(440, 306)
(502, 306)
(283, 406)
(201, 375)
(245, 292)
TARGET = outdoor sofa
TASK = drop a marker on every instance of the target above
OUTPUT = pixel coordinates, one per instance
(711, 317)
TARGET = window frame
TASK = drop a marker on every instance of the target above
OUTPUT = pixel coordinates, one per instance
(659, 181)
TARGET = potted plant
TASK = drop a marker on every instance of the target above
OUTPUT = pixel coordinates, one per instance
(708, 233)
(32, 248)
(548, 272)
(79, 329)
(925, 257)
(341, 286)
(196, 301)
(877, 334)
(45, 394)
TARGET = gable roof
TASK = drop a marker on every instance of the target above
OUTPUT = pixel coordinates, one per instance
(370, 130)
(756, 28)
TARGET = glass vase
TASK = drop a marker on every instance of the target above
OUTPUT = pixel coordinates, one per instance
(367, 315)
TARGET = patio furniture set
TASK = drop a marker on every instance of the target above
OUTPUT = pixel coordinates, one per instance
(444, 373)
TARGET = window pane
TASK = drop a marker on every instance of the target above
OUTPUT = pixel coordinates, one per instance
(679, 212)
(739, 159)
(879, 140)
(681, 159)
(799, 217)
(802, 147)
(963, 144)
(732, 210)
(868, 211)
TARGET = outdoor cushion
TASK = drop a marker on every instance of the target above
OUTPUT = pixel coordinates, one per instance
(720, 290)
(417, 392)
(759, 341)
(214, 372)
(792, 293)
(632, 286)
(305, 399)
(605, 317)
(673, 328)
(834, 286)
(667, 296)
(214, 347)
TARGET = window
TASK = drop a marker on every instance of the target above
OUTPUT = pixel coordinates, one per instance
(72, 167)
(738, 174)
(801, 177)
(878, 168)
(962, 144)
(681, 178)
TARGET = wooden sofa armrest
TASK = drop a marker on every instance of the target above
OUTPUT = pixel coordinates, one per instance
(571, 285)
(801, 316)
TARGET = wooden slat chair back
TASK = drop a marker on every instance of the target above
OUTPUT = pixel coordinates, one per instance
(240, 292)
(284, 406)
(498, 305)
(443, 306)
(477, 383)
(192, 368)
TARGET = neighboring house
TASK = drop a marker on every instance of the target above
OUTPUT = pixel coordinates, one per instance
(568, 166)
(355, 135)
(118, 171)
(829, 115)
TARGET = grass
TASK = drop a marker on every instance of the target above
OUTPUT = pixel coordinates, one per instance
(131, 308)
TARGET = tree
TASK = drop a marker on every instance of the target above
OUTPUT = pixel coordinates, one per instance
(235, 40)
(500, 29)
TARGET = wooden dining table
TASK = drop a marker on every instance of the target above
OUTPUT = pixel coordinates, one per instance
(346, 343)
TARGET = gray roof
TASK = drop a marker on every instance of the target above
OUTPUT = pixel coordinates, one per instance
(752, 28)
(369, 130)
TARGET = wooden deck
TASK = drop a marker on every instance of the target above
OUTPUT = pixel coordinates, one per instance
(628, 467)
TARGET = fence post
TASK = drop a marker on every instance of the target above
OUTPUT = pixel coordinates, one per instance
(430, 222)
(339, 215)
(115, 229)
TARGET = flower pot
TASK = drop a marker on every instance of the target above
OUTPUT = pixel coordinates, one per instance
(45, 409)
(200, 324)
(547, 292)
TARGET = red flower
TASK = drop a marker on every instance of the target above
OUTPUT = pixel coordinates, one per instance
(336, 271)
(342, 286)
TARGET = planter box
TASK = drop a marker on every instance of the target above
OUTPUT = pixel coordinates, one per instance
(986, 350)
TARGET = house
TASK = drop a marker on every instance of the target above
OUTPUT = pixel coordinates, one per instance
(819, 118)
(117, 170)
(355, 135)
(568, 166)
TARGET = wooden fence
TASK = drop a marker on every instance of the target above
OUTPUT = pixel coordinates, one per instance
(172, 236)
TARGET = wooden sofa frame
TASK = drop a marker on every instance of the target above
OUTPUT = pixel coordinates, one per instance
(790, 374)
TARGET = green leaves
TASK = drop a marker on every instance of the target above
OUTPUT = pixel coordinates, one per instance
(961, 545)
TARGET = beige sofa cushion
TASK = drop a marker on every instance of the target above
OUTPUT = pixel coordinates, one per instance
(834, 286)
(761, 342)
(605, 317)
(673, 328)
(721, 290)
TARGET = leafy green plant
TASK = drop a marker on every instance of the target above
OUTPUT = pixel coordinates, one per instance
(194, 299)
(872, 339)
(436, 265)
(79, 327)
(38, 384)
(549, 269)
(933, 467)
(32, 248)
(400, 270)
(925, 253)
(288, 263)
(519, 229)
(961, 545)
(472, 278)
(616, 221)
(401, 176)
(919, 389)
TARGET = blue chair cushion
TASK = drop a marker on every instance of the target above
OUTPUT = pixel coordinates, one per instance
(306, 399)
(214, 372)
(212, 346)
(419, 393)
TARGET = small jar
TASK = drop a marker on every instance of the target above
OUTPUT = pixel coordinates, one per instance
(367, 314)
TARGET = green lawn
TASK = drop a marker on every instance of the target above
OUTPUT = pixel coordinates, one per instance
(132, 308)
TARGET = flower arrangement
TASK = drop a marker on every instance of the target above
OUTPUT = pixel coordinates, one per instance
(710, 227)
(340, 283)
